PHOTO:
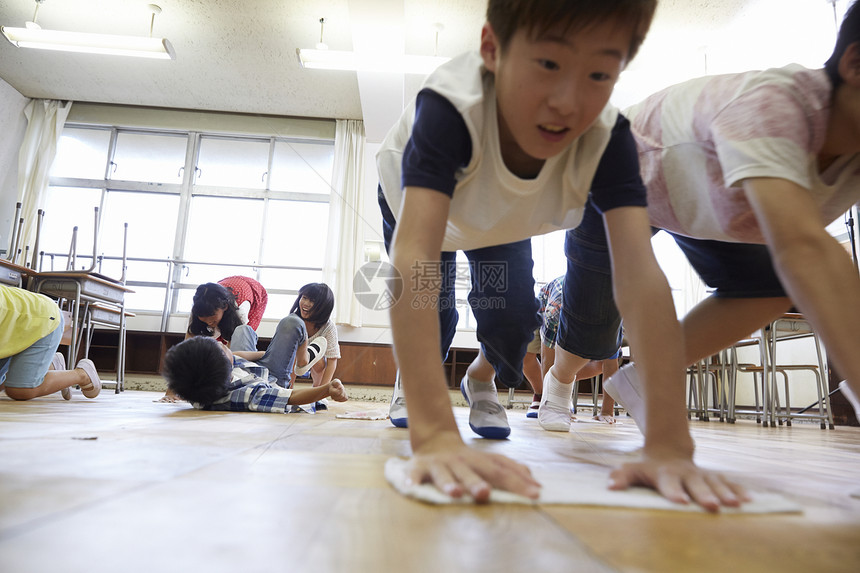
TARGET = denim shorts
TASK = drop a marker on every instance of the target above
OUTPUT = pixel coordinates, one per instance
(27, 369)
(733, 270)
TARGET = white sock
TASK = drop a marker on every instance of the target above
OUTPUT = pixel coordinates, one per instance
(556, 393)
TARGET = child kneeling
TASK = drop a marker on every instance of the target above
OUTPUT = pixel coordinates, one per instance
(205, 372)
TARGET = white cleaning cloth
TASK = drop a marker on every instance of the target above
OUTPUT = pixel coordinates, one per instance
(585, 486)
(364, 415)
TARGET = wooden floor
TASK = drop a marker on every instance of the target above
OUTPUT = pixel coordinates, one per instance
(124, 484)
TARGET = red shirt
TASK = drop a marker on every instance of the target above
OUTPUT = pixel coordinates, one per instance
(247, 289)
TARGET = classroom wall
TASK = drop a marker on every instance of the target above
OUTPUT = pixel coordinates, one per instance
(13, 124)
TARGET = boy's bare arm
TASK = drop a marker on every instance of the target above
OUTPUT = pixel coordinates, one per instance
(815, 270)
(656, 339)
(416, 251)
(439, 454)
(333, 389)
(249, 354)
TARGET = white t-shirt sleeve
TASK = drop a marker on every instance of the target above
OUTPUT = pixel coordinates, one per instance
(332, 345)
(752, 140)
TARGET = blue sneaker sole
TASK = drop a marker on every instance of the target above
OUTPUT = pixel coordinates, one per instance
(489, 432)
(492, 432)
(400, 422)
(531, 415)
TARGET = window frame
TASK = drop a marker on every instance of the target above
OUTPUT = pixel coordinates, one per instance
(187, 190)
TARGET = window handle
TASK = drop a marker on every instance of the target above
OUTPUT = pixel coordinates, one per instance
(263, 178)
(198, 172)
(112, 167)
(179, 173)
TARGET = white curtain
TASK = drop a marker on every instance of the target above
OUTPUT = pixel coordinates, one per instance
(45, 120)
(345, 245)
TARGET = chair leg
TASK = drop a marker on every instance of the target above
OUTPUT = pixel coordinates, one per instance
(825, 402)
(731, 394)
(692, 397)
(787, 401)
(701, 394)
(818, 386)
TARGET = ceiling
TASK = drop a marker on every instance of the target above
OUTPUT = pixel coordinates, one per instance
(240, 55)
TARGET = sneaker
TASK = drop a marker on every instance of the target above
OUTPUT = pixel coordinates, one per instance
(851, 396)
(626, 389)
(95, 383)
(532, 412)
(318, 406)
(397, 409)
(555, 408)
(58, 363)
(487, 417)
(316, 350)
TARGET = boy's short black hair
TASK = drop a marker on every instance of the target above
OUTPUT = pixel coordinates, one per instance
(538, 17)
(849, 33)
(197, 370)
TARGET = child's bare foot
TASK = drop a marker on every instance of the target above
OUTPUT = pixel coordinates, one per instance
(606, 419)
(336, 391)
(169, 397)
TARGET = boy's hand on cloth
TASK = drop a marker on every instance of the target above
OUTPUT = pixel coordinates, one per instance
(337, 392)
(679, 480)
(456, 469)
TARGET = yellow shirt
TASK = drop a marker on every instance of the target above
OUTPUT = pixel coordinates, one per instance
(25, 317)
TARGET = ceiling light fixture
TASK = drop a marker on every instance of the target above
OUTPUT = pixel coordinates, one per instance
(324, 59)
(32, 36)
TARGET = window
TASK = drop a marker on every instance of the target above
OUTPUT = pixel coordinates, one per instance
(223, 230)
(65, 209)
(232, 163)
(82, 153)
(302, 167)
(149, 157)
(256, 206)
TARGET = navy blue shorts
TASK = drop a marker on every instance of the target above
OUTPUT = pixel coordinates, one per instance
(590, 324)
(733, 270)
(502, 298)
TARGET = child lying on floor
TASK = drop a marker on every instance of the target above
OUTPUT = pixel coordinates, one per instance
(205, 372)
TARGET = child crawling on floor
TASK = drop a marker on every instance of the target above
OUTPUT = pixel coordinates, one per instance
(205, 372)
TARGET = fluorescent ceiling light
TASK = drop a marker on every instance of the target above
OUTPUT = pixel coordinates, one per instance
(137, 46)
(350, 61)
